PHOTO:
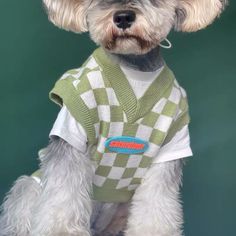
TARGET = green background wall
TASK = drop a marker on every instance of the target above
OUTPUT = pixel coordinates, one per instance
(34, 53)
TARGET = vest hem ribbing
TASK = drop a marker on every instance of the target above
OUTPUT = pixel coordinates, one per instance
(111, 195)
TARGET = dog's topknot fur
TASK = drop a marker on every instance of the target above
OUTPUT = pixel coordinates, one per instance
(154, 20)
(71, 14)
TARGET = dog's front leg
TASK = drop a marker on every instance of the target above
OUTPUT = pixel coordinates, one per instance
(64, 206)
(156, 208)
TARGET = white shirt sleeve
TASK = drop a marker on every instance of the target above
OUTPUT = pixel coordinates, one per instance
(67, 128)
(178, 147)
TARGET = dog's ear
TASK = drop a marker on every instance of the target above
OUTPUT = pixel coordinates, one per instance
(193, 15)
(68, 14)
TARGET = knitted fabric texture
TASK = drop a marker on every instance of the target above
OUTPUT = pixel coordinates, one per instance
(100, 98)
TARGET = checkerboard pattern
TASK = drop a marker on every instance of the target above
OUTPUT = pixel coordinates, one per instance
(115, 170)
(122, 171)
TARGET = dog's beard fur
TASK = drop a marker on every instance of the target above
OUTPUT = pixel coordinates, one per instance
(151, 26)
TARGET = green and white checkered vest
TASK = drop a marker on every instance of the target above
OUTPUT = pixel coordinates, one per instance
(100, 98)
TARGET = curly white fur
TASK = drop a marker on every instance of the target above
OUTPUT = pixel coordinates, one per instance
(17, 207)
(68, 14)
(156, 208)
(200, 13)
(62, 206)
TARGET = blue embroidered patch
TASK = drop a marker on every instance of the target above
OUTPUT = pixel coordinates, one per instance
(126, 145)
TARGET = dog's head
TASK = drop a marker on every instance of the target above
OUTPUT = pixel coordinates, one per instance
(132, 26)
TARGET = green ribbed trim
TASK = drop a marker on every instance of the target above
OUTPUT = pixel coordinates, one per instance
(133, 107)
(65, 93)
(154, 93)
(111, 195)
(37, 173)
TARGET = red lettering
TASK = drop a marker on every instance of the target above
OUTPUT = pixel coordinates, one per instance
(129, 145)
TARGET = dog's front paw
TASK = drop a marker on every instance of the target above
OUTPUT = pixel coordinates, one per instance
(116, 228)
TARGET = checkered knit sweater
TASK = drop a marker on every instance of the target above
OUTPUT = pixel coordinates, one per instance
(100, 98)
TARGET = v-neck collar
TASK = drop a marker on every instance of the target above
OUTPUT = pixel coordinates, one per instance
(134, 108)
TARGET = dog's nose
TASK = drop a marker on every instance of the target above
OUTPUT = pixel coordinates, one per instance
(124, 19)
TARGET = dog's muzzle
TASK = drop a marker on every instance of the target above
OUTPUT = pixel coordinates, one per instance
(124, 19)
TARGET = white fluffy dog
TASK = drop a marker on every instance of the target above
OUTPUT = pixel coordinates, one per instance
(114, 162)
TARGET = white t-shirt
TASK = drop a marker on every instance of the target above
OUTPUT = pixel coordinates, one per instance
(138, 80)
(67, 128)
